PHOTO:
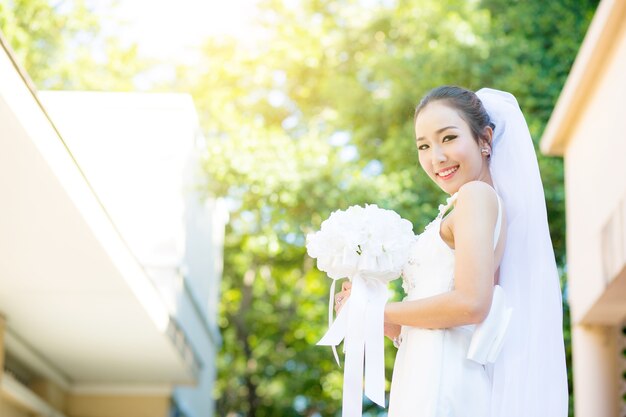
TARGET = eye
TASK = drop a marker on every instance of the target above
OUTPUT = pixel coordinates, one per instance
(422, 147)
(448, 137)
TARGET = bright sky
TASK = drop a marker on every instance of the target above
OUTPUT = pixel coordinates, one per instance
(173, 30)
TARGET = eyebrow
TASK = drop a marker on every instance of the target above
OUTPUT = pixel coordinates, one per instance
(438, 131)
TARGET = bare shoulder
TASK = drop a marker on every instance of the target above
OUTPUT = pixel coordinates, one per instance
(476, 188)
(477, 196)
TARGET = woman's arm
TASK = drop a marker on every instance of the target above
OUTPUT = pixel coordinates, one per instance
(469, 302)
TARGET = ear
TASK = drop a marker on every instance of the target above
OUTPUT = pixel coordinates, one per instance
(485, 139)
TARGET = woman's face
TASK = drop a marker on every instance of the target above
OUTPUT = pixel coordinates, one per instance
(446, 148)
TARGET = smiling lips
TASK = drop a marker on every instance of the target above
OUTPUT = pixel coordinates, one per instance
(447, 173)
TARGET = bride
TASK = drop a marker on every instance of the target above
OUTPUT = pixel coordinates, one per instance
(491, 236)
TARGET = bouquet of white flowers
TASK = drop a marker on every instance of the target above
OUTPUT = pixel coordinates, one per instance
(369, 246)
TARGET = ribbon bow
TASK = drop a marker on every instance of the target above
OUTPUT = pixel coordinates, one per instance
(360, 322)
(489, 335)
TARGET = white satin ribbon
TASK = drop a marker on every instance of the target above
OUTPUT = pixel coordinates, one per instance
(361, 323)
(488, 336)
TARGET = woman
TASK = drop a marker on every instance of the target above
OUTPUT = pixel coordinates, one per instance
(477, 148)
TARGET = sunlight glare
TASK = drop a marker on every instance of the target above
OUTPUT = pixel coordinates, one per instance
(176, 30)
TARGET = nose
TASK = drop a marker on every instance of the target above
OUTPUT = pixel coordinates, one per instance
(437, 155)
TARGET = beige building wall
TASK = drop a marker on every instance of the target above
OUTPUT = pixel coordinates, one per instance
(64, 351)
(588, 128)
(95, 406)
(118, 406)
(9, 410)
(595, 178)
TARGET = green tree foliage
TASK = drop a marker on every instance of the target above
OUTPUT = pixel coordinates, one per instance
(533, 49)
(314, 116)
(60, 46)
(327, 70)
(273, 308)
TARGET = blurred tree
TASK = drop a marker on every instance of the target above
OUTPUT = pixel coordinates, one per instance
(282, 180)
(314, 116)
(273, 308)
(343, 74)
(532, 50)
(60, 46)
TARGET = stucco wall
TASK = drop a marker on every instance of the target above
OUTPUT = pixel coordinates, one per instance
(9, 410)
(118, 406)
(595, 178)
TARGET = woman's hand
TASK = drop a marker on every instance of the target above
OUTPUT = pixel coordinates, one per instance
(342, 296)
(392, 330)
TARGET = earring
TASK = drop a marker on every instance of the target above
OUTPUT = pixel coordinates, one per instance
(485, 151)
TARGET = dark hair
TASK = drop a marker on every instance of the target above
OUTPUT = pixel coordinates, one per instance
(466, 102)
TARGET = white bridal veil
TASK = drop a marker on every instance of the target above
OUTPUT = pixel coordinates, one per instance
(529, 377)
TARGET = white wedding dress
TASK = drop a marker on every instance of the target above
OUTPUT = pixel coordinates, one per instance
(432, 376)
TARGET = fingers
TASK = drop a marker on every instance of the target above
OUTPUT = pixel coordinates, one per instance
(342, 296)
(340, 300)
(338, 297)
